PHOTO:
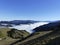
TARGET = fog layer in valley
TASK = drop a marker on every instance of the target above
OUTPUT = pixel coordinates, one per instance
(29, 27)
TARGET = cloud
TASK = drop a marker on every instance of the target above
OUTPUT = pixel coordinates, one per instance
(29, 27)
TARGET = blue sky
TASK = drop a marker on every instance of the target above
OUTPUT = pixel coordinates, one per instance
(43, 10)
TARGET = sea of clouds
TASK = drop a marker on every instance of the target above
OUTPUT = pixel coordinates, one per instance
(29, 27)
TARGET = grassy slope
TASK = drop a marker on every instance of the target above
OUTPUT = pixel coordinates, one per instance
(34, 36)
(41, 40)
(7, 39)
(4, 31)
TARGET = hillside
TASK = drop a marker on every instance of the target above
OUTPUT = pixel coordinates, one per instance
(47, 34)
(44, 35)
(40, 40)
(15, 34)
(4, 31)
(47, 27)
(31, 37)
(7, 40)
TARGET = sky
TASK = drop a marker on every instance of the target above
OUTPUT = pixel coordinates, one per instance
(42, 10)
